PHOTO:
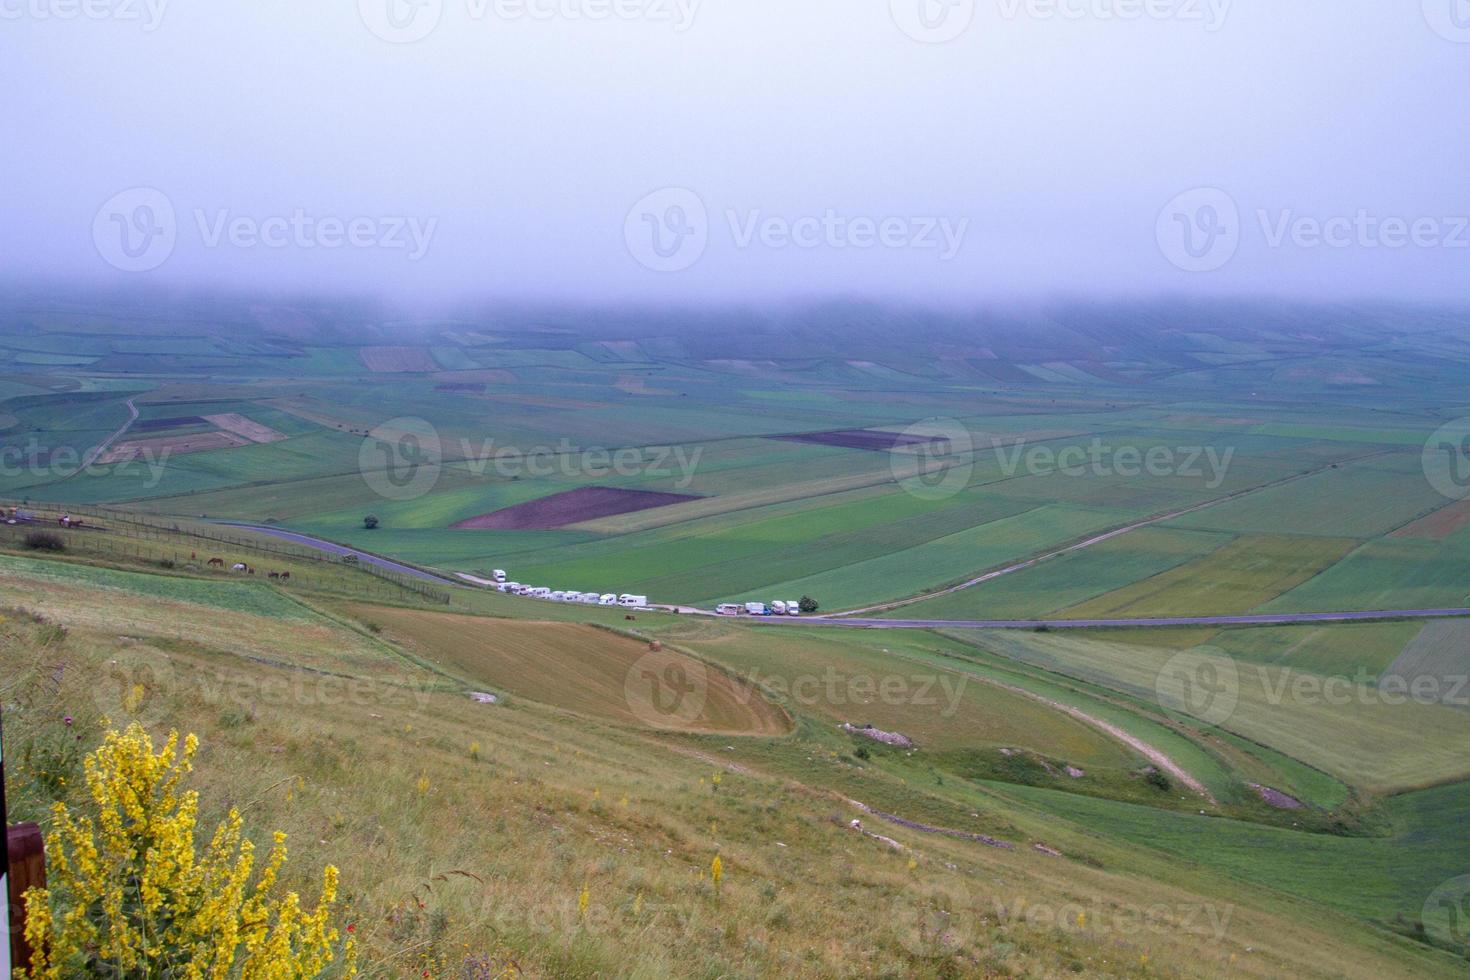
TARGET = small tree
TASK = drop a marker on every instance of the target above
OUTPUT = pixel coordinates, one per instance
(807, 604)
(370, 521)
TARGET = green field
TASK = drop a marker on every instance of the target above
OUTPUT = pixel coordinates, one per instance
(1315, 804)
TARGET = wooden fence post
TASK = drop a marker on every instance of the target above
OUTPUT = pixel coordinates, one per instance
(26, 851)
(22, 866)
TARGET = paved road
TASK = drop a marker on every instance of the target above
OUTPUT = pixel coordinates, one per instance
(332, 547)
(1259, 619)
(1263, 619)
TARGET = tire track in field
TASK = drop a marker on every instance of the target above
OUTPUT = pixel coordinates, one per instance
(106, 444)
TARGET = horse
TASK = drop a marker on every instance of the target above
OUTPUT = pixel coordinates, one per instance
(216, 563)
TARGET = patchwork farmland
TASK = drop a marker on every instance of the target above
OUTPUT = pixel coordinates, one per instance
(1096, 478)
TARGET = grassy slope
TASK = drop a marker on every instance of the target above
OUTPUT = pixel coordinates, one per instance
(403, 784)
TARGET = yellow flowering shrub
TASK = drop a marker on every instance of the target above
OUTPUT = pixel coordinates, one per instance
(130, 894)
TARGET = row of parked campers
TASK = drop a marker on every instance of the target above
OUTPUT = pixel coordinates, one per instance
(777, 608)
(586, 598)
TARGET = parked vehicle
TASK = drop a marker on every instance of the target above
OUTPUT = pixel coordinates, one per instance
(627, 599)
(729, 609)
(757, 609)
(590, 598)
(778, 608)
(498, 575)
(793, 608)
(540, 592)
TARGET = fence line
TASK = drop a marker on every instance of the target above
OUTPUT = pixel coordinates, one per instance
(130, 524)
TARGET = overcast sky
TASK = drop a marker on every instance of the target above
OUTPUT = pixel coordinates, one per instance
(678, 149)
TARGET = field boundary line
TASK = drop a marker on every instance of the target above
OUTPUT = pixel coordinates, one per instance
(1097, 539)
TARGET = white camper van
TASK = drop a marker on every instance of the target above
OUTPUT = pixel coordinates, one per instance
(632, 601)
(757, 609)
(778, 608)
(793, 608)
(729, 609)
(608, 599)
(498, 575)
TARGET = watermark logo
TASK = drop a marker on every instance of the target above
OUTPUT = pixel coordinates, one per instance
(666, 690)
(933, 21)
(667, 230)
(401, 21)
(933, 459)
(135, 230)
(148, 13)
(941, 692)
(1446, 459)
(134, 688)
(1446, 914)
(1202, 230)
(1199, 230)
(933, 920)
(1202, 685)
(401, 459)
(1450, 19)
(1206, 464)
(1210, 14)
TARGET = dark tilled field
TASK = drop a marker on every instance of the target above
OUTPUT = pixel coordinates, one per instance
(571, 507)
(857, 439)
(178, 421)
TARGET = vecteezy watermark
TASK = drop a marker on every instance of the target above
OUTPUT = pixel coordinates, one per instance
(146, 13)
(307, 689)
(1205, 684)
(666, 690)
(669, 230)
(137, 230)
(1201, 230)
(1450, 19)
(1446, 459)
(1200, 684)
(134, 687)
(1446, 914)
(831, 689)
(402, 459)
(933, 459)
(1124, 920)
(407, 21)
(932, 21)
(1209, 14)
(1098, 458)
(34, 459)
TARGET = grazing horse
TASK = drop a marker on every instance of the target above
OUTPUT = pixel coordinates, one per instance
(274, 575)
(285, 576)
(216, 562)
(239, 566)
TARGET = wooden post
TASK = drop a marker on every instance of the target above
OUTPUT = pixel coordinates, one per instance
(22, 866)
(26, 851)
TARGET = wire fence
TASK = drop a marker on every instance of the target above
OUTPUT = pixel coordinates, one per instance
(122, 527)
